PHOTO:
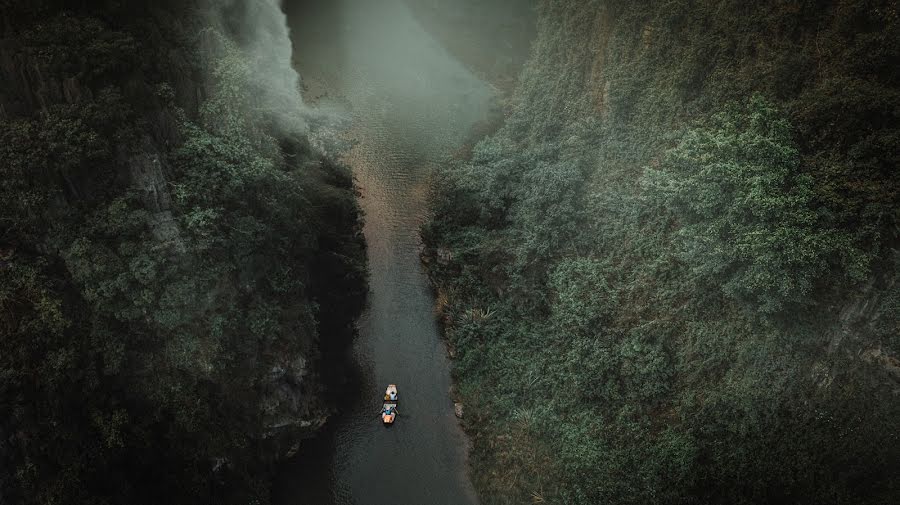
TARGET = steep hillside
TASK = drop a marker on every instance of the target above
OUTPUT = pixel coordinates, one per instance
(174, 256)
(671, 277)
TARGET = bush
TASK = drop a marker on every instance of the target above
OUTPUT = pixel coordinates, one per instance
(747, 217)
(707, 289)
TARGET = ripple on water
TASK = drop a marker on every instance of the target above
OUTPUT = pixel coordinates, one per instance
(412, 105)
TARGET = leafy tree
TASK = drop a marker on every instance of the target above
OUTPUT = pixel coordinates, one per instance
(684, 232)
(159, 258)
(747, 214)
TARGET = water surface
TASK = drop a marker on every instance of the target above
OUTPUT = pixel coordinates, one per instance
(410, 106)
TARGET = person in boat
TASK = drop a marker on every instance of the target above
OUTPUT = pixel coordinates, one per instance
(393, 396)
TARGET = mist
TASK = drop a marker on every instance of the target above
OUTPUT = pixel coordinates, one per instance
(259, 29)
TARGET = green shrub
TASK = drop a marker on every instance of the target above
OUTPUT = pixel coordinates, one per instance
(747, 215)
(683, 231)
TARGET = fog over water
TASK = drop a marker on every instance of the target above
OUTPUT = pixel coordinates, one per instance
(410, 105)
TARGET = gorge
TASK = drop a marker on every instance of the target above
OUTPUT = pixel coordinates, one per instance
(648, 249)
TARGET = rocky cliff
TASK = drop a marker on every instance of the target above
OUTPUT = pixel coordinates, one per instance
(686, 234)
(174, 252)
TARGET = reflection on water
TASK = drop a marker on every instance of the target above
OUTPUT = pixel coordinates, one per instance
(410, 105)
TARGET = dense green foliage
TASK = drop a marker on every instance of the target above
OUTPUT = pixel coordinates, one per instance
(168, 266)
(747, 214)
(671, 277)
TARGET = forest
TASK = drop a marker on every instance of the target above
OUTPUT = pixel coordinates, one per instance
(175, 254)
(663, 245)
(671, 275)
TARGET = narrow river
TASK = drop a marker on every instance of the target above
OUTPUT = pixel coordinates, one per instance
(410, 105)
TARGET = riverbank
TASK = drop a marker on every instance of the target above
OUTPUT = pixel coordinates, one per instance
(173, 253)
(653, 289)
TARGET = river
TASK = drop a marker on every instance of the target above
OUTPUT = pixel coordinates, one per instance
(410, 105)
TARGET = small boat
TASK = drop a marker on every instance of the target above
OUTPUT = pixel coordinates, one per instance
(388, 413)
(389, 408)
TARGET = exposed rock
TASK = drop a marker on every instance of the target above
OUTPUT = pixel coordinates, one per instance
(292, 406)
(283, 439)
(148, 177)
(458, 409)
(219, 464)
(851, 337)
(72, 91)
(889, 363)
(146, 171)
(292, 450)
(444, 256)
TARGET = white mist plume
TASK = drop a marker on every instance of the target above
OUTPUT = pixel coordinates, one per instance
(259, 28)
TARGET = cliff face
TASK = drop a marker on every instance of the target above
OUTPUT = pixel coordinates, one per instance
(173, 252)
(686, 232)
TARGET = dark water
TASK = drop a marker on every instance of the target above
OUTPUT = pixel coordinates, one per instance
(410, 106)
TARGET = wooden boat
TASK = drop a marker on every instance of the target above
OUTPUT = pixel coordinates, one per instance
(389, 408)
(389, 413)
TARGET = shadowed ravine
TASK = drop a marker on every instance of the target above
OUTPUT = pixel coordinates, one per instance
(411, 105)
